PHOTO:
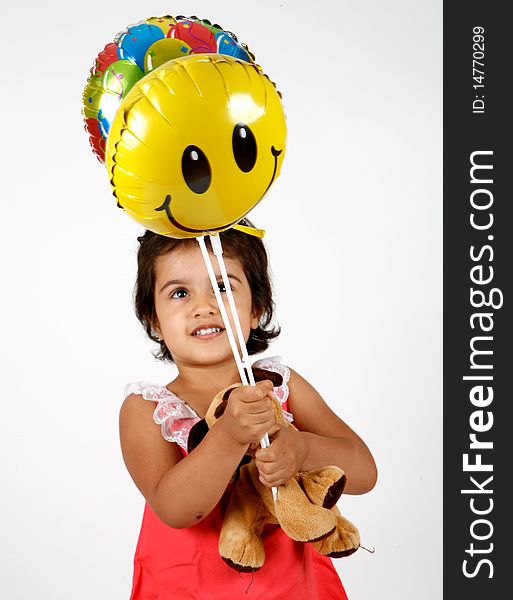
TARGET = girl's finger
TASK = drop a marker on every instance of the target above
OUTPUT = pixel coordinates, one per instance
(260, 408)
(269, 470)
(265, 455)
(275, 428)
(273, 481)
(252, 393)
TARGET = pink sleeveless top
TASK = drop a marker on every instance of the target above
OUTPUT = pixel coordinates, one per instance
(184, 564)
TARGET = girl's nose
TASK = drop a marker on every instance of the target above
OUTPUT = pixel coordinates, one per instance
(206, 304)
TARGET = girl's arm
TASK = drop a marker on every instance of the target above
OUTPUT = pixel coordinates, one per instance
(323, 439)
(183, 491)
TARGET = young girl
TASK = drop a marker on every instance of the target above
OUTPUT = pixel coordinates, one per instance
(177, 553)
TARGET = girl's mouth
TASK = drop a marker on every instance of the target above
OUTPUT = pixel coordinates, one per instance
(207, 332)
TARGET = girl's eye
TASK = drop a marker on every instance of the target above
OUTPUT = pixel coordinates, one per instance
(222, 287)
(181, 293)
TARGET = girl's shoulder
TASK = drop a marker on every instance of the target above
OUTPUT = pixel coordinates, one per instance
(174, 416)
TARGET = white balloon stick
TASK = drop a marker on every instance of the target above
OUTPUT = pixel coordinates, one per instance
(243, 365)
(217, 247)
(222, 309)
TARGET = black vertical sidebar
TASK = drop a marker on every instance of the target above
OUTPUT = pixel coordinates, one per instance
(478, 298)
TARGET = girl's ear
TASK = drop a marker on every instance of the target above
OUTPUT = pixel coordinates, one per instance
(255, 319)
(155, 329)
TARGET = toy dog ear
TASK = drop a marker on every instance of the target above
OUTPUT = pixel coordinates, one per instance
(196, 434)
(221, 407)
(261, 374)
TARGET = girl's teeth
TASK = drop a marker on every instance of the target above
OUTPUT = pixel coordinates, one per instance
(207, 331)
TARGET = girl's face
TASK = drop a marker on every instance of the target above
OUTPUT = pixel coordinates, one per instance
(189, 320)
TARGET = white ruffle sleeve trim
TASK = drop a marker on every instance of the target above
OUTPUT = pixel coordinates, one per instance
(176, 418)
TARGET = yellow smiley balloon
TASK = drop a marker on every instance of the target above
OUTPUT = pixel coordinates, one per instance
(195, 144)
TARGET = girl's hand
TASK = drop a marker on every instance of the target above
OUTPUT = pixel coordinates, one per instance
(284, 457)
(249, 414)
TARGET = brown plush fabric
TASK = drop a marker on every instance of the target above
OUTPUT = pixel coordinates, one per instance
(305, 507)
(342, 542)
(240, 541)
(323, 486)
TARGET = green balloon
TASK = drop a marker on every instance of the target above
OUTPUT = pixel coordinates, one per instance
(215, 28)
(120, 76)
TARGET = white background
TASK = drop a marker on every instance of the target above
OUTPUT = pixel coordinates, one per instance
(354, 234)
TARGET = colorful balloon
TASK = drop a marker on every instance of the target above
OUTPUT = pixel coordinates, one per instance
(162, 51)
(192, 136)
(163, 22)
(134, 43)
(197, 36)
(227, 45)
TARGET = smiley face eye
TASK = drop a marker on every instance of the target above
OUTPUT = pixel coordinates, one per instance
(244, 147)
(196, 169)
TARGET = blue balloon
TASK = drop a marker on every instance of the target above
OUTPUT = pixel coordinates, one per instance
(227, 45)
(103, 124)
(137, 39)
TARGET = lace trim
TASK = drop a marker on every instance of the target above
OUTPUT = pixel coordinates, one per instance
(176, 418)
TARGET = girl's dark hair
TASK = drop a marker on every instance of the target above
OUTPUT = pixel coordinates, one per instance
(251, 253)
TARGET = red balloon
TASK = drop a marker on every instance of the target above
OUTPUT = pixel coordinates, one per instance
(197, 36)
(95, 138)
(106, 57)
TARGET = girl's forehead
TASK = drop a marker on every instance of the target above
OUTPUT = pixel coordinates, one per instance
(188, 260)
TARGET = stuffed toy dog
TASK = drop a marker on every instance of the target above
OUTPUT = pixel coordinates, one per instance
(305, 507)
